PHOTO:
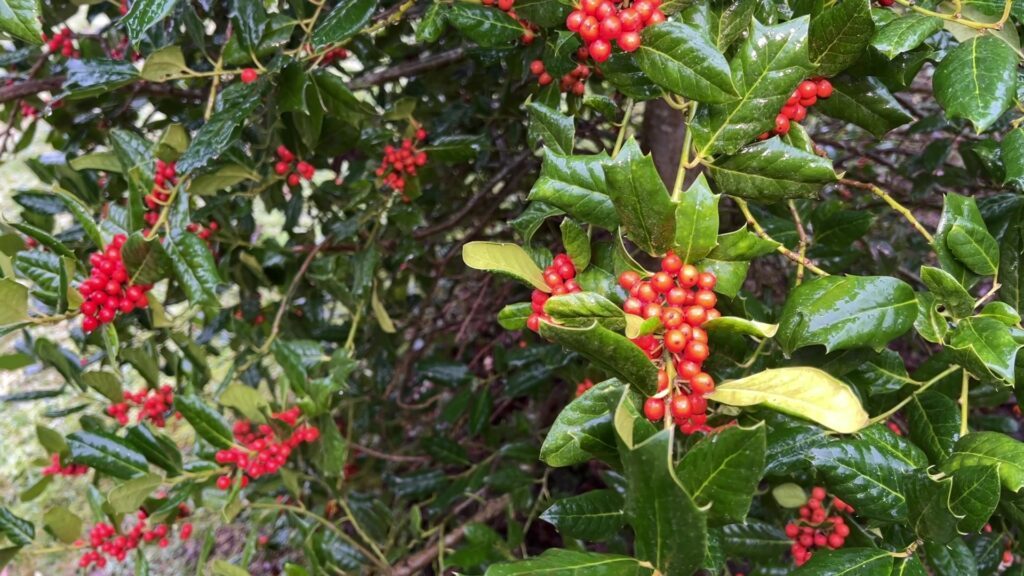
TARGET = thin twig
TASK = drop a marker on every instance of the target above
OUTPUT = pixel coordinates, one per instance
(894, 204)
(410, 68)
(780, 249)
(416, 563)
(276, 326)
(802, 248)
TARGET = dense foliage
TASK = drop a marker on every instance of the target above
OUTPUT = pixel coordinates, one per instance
(756, 311)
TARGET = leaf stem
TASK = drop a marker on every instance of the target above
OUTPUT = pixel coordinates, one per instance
(894, 204)
(359, 530)
(803, 241)
(955, 17)
(926, 385)
(745, 209)
(964, 403)
(995, 288)
(622, 129)
(276, 326)
(684, 155)
(378, 561)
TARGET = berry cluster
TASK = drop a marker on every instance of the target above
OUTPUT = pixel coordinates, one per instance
(398, 163)
(574, 81)
(153, 405)
(123, 7)
(108, 545)
(263, 452)
(795, 110)
(28, 110)
(286, 165)
(121, 51)
(507, 6)
(56, 469)
(600, 22)
(108, 289)
(332, 56)
(249, 75)
(561, 278)
(204, 232)
(815, 528)
(682, 297)
(582, 387)
(61, 43)
(164, 178)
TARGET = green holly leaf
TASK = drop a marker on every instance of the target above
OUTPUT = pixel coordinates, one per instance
(865, 102)
(585, 308)
(859, 561)
(583, 429)
(741, 244)
(63, 523)
(933, 421)
(930, 323)
(1012, 149)
(974, 496)
(865, 475)
(234, 106)
(593, 515)
(723, 470)
(514, 316)
(800, 391)
(754, 539)
(156, 447)
(956, 210)
(89, 78)
(990, 449)
(504, 258)
(682, 59)
(670, 529)
(143, 14)
(19, 531)
(847, 312)
(576, 242)
(551, 127)
(576, 185)
(108, 454)
(193, 265)
(432, 24)
(770, 171)
(696, 221)
(145, 260)
(767, 67)
(951, 559)
(487, 26)
(726, 22)
(974, 247)
(15, 298)
(343, 22)
(838, 36)
(733, 325)
(1001, 311)
(948, 291)
(977, 81)
(641, 200)
(905, 33)
(561, 562)
(21, 19)
(209, 424)
(986, 348)
(128, 497)
(610, 351)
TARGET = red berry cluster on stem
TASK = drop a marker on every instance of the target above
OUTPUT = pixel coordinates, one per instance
(573, 81)
(28, 110)
(682, 297)
(816, 528)
(204, 232)
(795, 109)
(165, 177)
(332, 56)
(582, 387)
(153, 405)
(108, 290)
(561, 278)
(601, 22)
(262, 452)
(286, 165)
(62, 43)
(57, 469)
(508, 6)
(110, 546)
(398, 163)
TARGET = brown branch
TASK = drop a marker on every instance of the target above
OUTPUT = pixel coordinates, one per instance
(417, 562)
(53, 83)
(389, 457)
(410, 68)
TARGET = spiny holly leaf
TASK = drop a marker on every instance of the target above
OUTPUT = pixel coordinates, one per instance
(504, 258)
(974, 496)
(585, 308)
(682, 59)
(577, 243)
(696, 221)
(770, 171)
(977, 81)
(990, 449)
(975, 248)
(767, 67)
(905, 33)
(754, 539)
(847, 312)
(344, 21)
(948, 291)
(583, 429)
(723, 471)
(986, 348)
(847, 562)
(207, 422)
(838, 36)
(641, 200)
(933, 420)
(143, 14)
(559, 562)
(234, 105)
(956, 210)
(157, 448)
(108, 454)
(145, 260)
(129, 496)
(928, 507)
(19, 531)
(20, 18)
(577, 185)
(551, 127)
(952, 559)
(863, 474)
(882, 374)
(670, 528)
(800, 391)
(487, 26)
(930, 323)
(611, 351)
(195, 270)
(593, 515)
(865, 102)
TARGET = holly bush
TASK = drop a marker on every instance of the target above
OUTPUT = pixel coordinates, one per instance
(756, 303)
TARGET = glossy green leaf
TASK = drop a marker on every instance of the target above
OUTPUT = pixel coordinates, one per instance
(145, 260)
(249, 401)
(583, 429)
(800, 391)
(234, 105)
(63, 523)
(249, 18)
(696, 222)
(504, 258)
(89, 78)
(15, 298)
(576, 184)
(895, 445)
(928, 507)
(952, 559)
(143, 14)
(612, 352)
(487, 26)
(670, 529)
(561, 562)
(770, 171)
(683, 60)
(847, 312)
(990, 449)
(865, 475)
(975, 248)
(986, 348)
(741, 244)
(768, 65)
(974, 496)
(551, 127)
(106, 383)
(128, 497)
(977, 81)
(933, 420)
(948, 291)
(865, 102)
(19, 531)
(905, 33)
(723, 471)
(514, 316)
(839, 34)
(546, 13)
(193, 266)
(930, 323)
(44, 238)
(789, 440)
(848, 562)
(158, 449)
(583, 309)
(956, 210)
(641, 199)
(754, 539)
(1012, 149)
(344, 21)
(432, 24)
(221, 179)
(207, 422)
(20, 18)
(727, 22)
(108, 454)
(593, 515)
(576, 242)
(884, 373)
(733, 325)
(1001, 311)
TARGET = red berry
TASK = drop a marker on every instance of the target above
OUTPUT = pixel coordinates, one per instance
(604, 10)
(657, 17)
(702, 384)
(654, 409)
(590, 30)
(662, 282)
(629, 41)
(590, 6)
(249, 76)
(681, 406)
(807, 89)
(696, 351)
(611, 28)
(675, 341)
(644, 8)
(705, 299)
(631, 20)
(824, 88)
(537, 67)
(781, 124)
(544, 79)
